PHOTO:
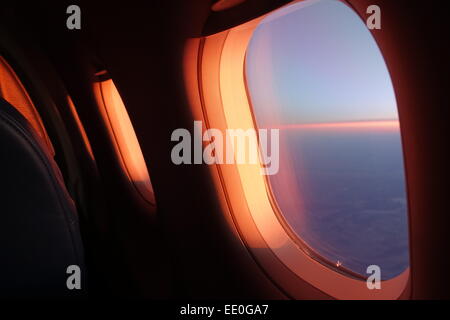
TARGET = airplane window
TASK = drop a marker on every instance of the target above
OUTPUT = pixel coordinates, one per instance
(123, 134)
(314, 71)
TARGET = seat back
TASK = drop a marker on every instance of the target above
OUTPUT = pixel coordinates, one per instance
(39, 230)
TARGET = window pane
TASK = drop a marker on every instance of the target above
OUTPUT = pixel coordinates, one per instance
(314, 70)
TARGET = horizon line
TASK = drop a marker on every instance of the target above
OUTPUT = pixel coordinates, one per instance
(365, 124)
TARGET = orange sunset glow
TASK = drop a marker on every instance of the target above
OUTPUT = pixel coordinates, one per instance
(357, 125)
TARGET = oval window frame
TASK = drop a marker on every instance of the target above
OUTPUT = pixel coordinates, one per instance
(217, 93)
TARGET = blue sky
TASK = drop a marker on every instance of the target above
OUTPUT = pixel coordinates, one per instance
(316, 61)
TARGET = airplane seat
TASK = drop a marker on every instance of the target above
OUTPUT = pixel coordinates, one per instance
(39, 230)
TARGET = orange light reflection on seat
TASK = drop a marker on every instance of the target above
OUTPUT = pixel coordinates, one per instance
(80, 126)
(13, 91)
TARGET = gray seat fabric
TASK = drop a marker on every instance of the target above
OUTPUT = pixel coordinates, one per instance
(39, 230)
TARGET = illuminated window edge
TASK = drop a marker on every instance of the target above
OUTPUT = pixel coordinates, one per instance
(123, 136)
